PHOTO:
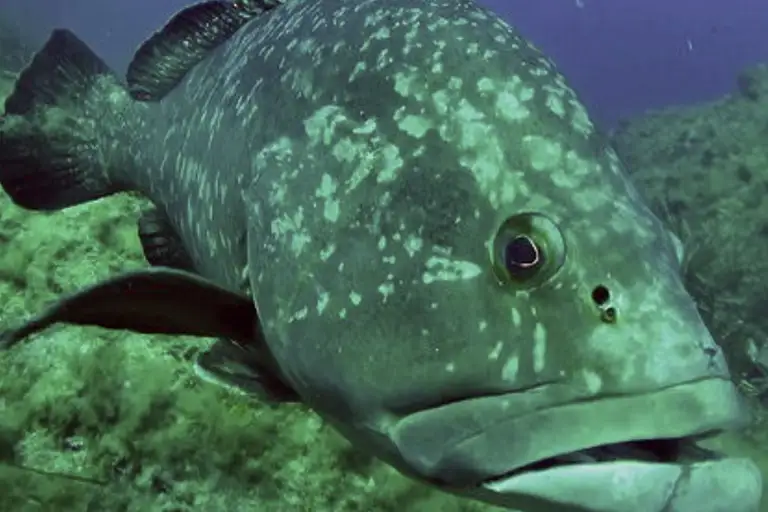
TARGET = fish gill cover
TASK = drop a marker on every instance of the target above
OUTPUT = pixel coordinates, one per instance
(106, 420)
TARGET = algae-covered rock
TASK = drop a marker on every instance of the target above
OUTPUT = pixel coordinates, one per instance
(753, 82)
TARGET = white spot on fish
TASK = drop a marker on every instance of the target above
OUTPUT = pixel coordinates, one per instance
(331, 210)
(327, 252)
(511, 367)
(445, 269)
(544, 154)
(321, 125)
(326, 191)
(580, 119)
(405, 83)
(290, 230)
(517, 320)
(386, 290)
(511, 99)
(322, 302)
(382, 33)
(355, 298)
(413, 244)
(485, 84)
(496, 352)
(539, 347)
(359, 68)
(555, 105)
(391, 164)
(593, 382)
(440, 100)
(415, 126)
(367, 128)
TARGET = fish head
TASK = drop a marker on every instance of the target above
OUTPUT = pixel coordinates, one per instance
(451, 267)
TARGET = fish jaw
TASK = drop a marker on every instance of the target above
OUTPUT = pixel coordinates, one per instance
(609, 454)
(629, 485)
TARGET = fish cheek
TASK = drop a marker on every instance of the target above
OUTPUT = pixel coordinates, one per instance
(363, 323)
(376, 349)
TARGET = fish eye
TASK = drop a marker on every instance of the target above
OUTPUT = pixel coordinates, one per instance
(528, 249)
(522, 256)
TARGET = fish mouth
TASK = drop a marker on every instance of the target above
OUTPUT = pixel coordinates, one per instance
(660, 475)
(685, 450)
(570, 455)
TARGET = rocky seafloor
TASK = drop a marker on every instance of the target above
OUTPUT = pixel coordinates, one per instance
(99, 420)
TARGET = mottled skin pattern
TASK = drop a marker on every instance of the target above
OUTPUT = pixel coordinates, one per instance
(348, 163)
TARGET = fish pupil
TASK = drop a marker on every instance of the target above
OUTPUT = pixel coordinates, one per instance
(521, 254)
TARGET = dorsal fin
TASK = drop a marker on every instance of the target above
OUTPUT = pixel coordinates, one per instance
(163, 60)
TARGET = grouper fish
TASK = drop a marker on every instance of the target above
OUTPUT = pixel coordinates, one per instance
(398, 213)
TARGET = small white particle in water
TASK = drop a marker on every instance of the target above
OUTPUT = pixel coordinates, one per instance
(355, 298)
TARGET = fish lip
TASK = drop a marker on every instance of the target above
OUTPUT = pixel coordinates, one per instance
(655, 487)
(686, 453)
(477, 441)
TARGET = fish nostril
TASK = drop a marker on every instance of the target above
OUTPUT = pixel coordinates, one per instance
(601, 295)
(608, 315)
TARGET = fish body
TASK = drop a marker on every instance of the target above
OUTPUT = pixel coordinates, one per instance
(399, 213)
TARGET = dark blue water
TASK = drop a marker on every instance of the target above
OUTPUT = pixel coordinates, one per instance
(623, 56)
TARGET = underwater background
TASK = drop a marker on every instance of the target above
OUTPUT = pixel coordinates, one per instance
(106, 421)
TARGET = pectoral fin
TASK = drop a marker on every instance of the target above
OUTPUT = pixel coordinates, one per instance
(154, 301)
(170, 301)
(251, 372)
(161, 244)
